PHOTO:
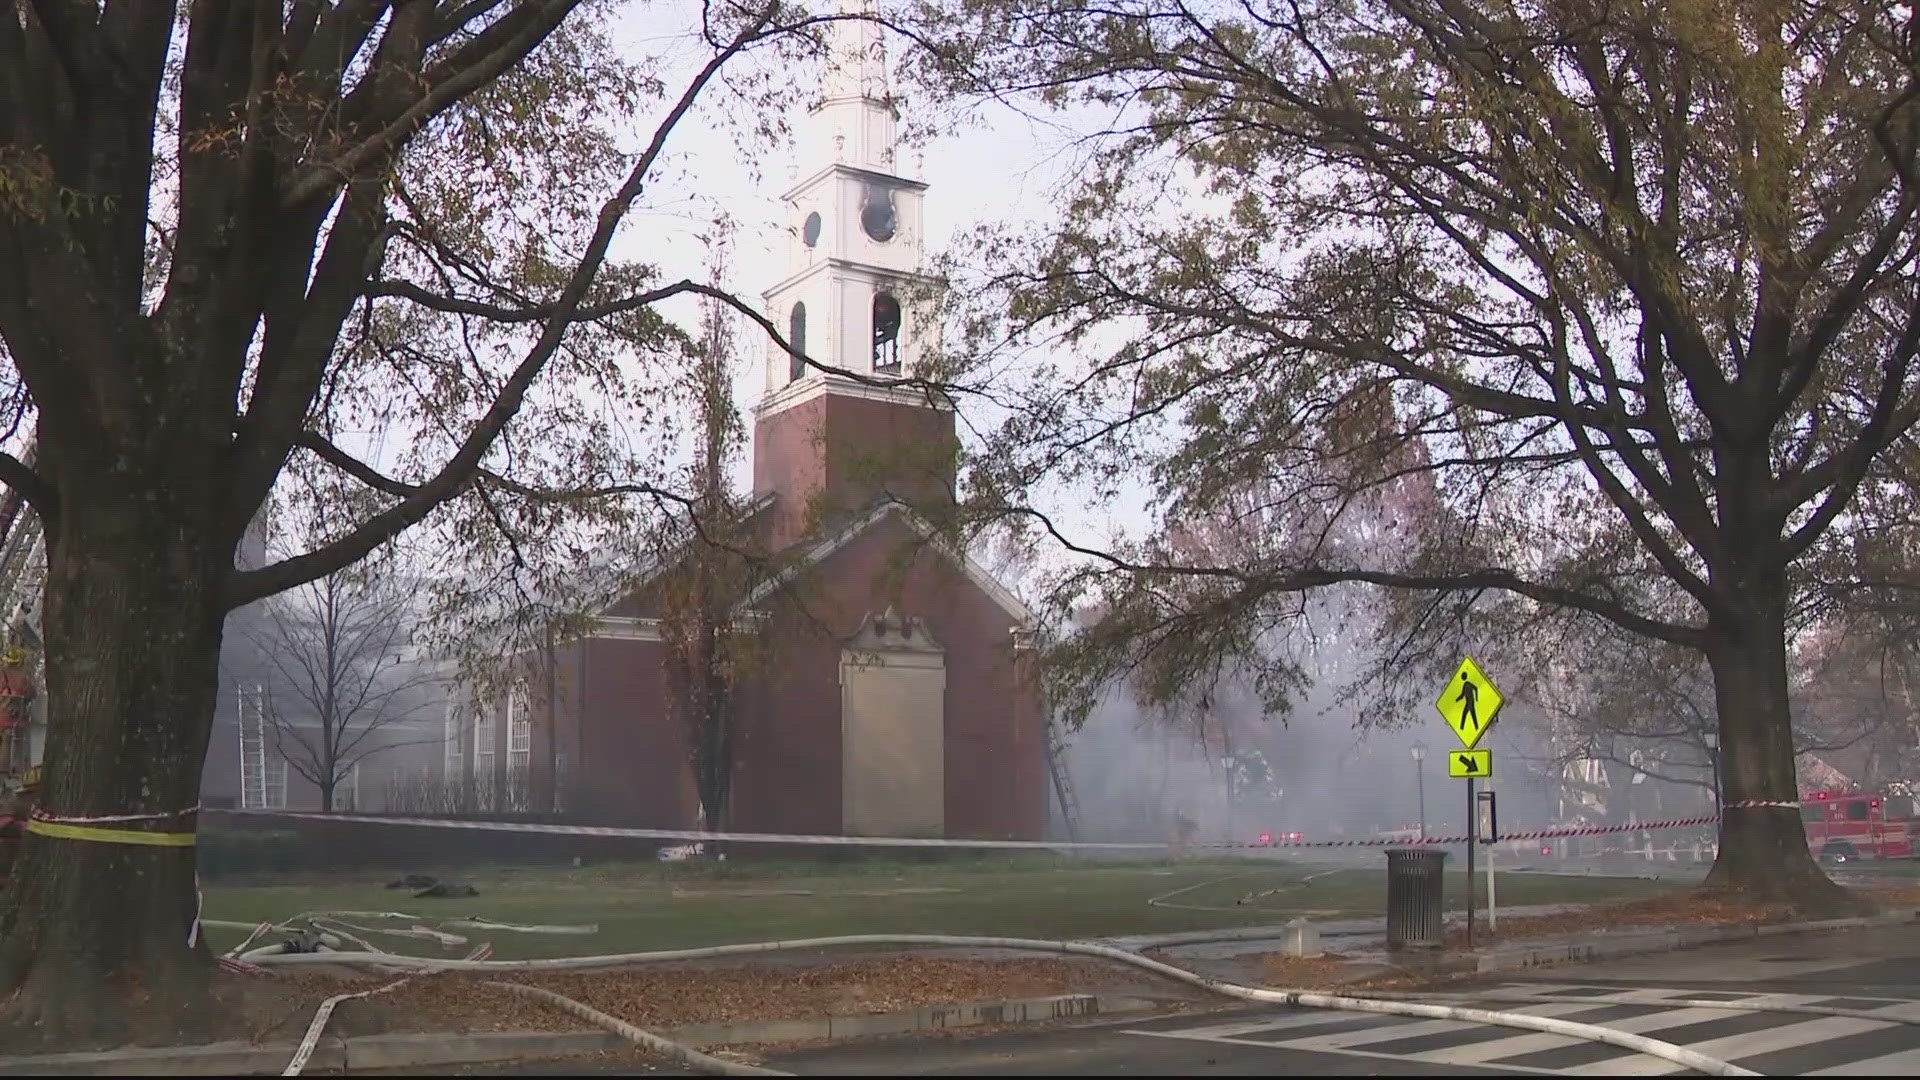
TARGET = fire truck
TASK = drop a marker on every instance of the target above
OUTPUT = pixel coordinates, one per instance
(1843, 826)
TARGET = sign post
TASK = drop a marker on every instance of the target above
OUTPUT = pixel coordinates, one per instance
(1470, 704)
(1489, 829)
(1472, 838)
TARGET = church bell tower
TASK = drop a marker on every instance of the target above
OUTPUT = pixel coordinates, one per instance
(835, 431)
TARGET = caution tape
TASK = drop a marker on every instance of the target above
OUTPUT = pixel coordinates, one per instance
(1532, 834)
(687, 835)
(41, 827)
(1535, 834)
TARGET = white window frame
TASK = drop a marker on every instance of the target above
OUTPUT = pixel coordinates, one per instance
(456, 757)
(486, 734)
(519, 724)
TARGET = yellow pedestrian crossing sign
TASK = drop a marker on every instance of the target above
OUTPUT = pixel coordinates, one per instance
(1470, 764)
(1469, 703)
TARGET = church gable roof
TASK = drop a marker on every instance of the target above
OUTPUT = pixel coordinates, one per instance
(633, 606)
(893, 510)
(633, 598)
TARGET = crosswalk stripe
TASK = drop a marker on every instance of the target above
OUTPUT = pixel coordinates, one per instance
(1304, 1018)
(1347, 1040)
(1787, 1036)
(1904, 1063)
(1624, 1062)
(1892, 1008)
(1906, 1010)
(1790, 1035)
(1628, 1063)
(1477, 1053)
(1352, 1053)
(1653, 995)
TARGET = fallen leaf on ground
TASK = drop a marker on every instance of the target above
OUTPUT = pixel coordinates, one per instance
(665, 996)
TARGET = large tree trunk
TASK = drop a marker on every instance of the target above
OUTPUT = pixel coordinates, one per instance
(1763, 849)
(98, 940)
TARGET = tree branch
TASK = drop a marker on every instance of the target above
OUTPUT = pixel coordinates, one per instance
(30, 485)
(461, 469)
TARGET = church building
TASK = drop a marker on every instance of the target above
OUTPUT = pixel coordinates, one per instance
(896, 697)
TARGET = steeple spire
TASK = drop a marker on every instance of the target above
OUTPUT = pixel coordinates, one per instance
(856, 65)
(853, 119)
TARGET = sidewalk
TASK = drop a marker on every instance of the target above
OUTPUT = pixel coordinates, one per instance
(1240, 956)
(1361, 944)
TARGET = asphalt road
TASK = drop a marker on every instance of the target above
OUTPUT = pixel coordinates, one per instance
(1872, 970)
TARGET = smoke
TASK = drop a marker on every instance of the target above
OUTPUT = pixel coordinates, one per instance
(1327, 769)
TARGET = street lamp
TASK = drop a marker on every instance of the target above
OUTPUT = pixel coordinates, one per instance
(1420, 780)
(1713, 758)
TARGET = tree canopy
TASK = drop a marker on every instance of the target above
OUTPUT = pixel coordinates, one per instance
(247, 239)
(1601, 309)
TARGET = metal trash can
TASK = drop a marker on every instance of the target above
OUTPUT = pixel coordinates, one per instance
(1416, 880)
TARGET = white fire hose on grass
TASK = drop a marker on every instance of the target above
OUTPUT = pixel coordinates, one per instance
(1641, 1044)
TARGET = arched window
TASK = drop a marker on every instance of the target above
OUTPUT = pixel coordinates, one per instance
(797, 340)
(886, 333)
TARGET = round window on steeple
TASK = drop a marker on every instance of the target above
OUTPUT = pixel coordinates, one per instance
(876, 213)
(810, 232)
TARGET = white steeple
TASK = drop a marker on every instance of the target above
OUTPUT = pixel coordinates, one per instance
(854, 120)
(853, 295)
(857, 60)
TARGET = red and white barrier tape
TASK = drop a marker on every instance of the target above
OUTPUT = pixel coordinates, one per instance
(97, 819)
(1533, 834)
(687, 835)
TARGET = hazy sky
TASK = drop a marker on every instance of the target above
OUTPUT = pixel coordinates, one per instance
(991, 164)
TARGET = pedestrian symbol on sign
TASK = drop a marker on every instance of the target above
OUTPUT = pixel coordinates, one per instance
(1469, 704)
(1469, 697)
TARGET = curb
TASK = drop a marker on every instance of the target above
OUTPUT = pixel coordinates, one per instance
(425, 1051)
(1672, 941)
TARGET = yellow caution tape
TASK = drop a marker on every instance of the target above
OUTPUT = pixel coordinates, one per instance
(109, 836)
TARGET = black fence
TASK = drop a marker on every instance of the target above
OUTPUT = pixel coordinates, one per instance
(491, 793)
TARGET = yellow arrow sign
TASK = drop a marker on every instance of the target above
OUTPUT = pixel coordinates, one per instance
(1469, 703)
(1470, 764)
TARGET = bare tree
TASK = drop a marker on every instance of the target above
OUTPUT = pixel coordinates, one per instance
(347, 672)
(706, 649)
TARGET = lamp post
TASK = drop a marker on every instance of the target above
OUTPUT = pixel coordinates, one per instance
(1713, 758)
(1420, 781)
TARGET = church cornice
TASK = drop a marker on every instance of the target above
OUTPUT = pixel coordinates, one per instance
(856, 171)
(868, 271)
(817, 385)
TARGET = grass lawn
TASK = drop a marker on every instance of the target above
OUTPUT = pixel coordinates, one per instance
(646, 906)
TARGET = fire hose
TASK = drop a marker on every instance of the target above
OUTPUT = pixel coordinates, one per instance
(1641, 1044)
